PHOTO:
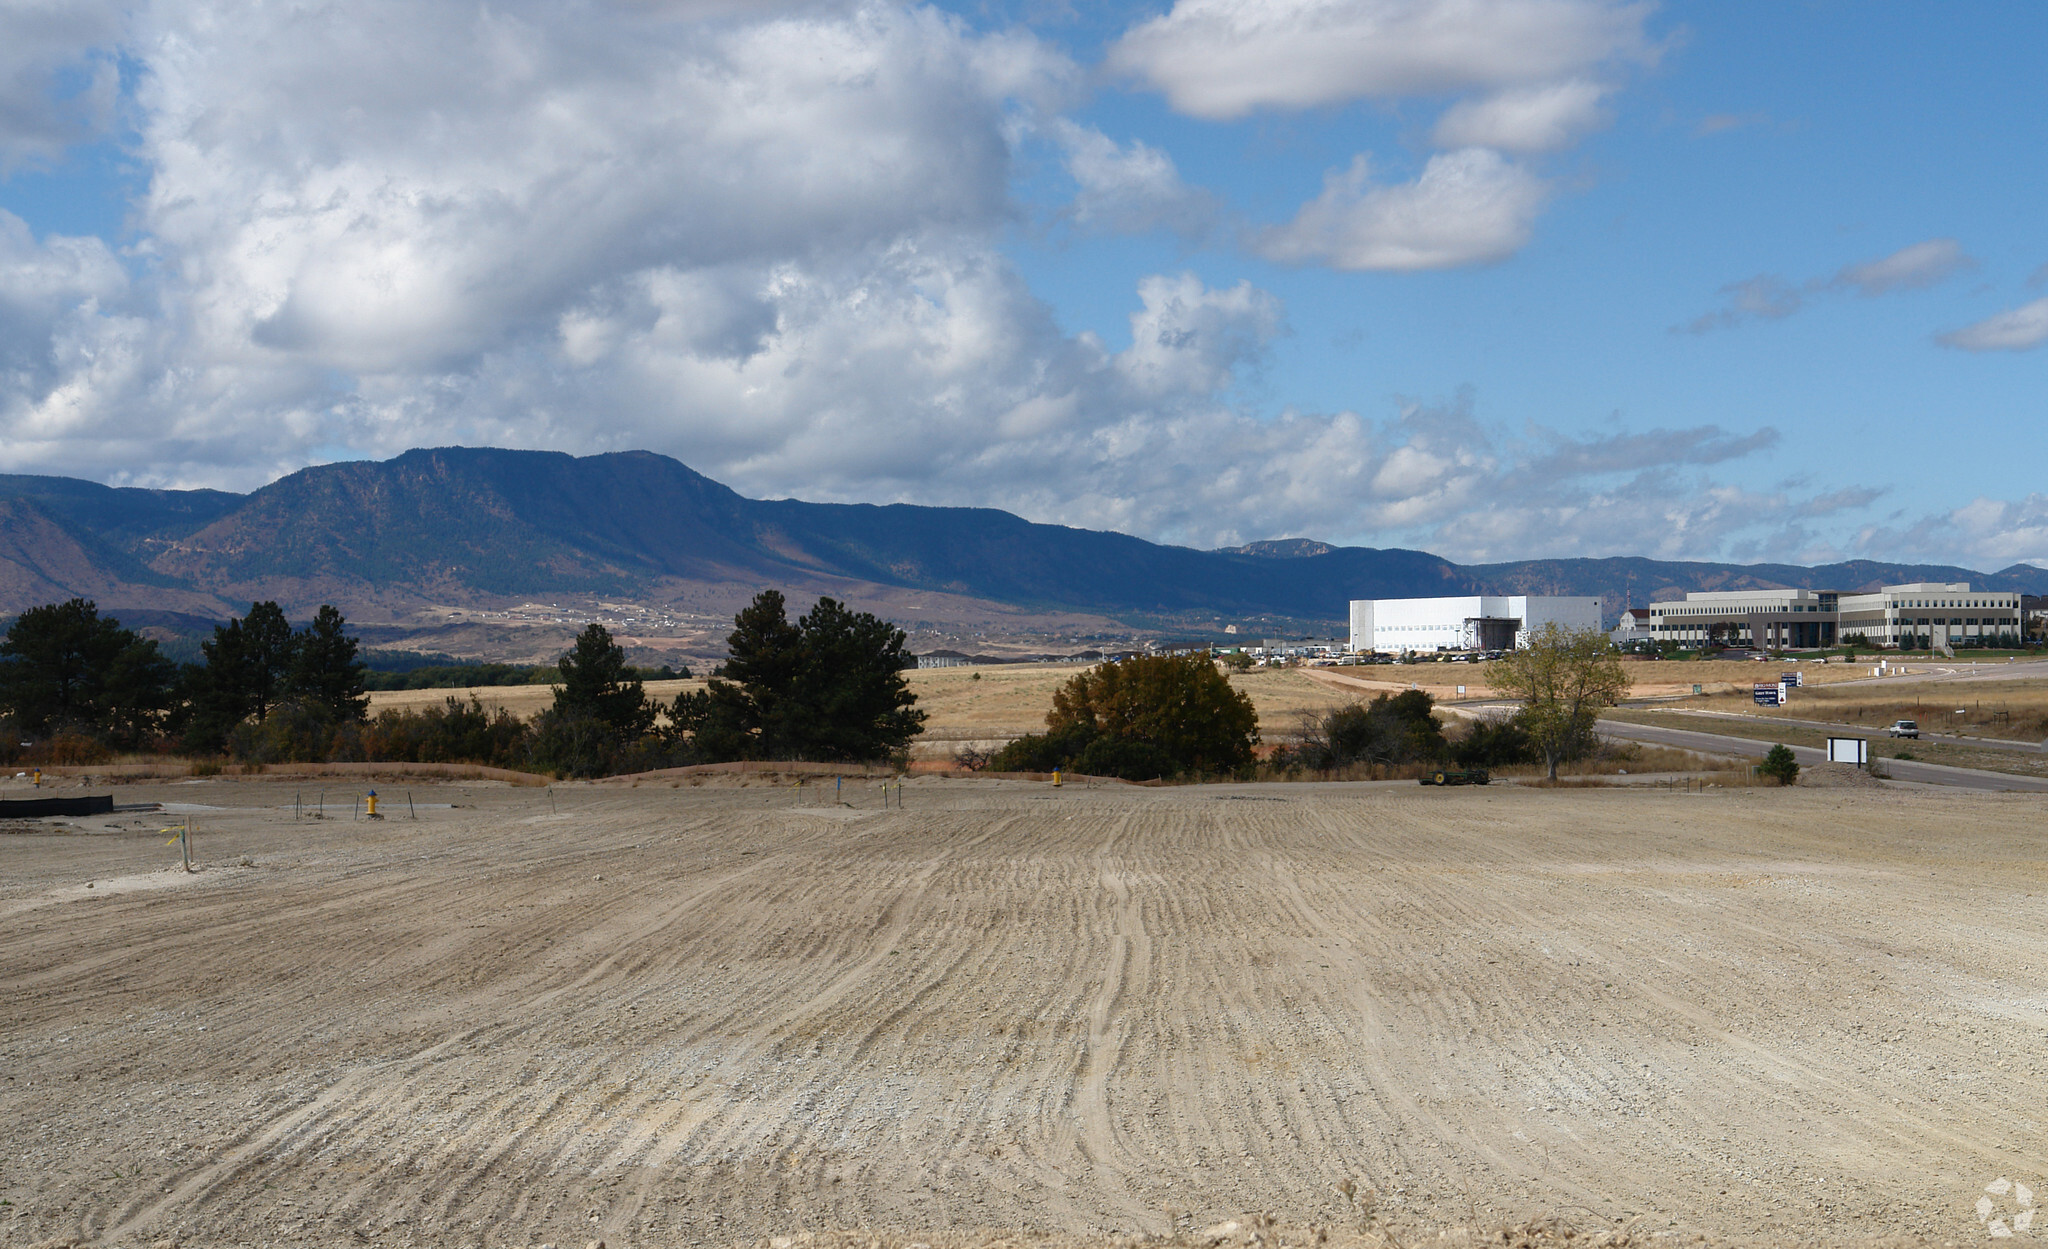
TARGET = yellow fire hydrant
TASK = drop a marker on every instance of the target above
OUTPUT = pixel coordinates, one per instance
(373, 805)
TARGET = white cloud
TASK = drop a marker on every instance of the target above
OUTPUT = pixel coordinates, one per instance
(1189, 340)
(1467, 207)
(1129, 189)
(1990, 534)
(1222, 59)
(2016, 329)
(319, 216)
(1912, 268)
(1526, 119)
(70, 351)
(768, 243)
(58, 79)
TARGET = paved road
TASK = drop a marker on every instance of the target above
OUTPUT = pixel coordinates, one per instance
(1901, 769)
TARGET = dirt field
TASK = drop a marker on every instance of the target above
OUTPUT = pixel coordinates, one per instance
(701, 1016)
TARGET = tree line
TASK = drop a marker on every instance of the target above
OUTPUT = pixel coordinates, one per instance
(68, 672)
(828, 687)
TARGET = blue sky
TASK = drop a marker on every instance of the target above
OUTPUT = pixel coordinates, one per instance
(1498, 279)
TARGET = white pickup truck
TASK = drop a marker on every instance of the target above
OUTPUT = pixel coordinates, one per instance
(1904, 728)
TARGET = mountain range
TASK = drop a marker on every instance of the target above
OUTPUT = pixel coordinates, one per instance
(477, 527)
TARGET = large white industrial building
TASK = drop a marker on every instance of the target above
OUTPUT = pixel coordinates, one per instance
(1468, 623)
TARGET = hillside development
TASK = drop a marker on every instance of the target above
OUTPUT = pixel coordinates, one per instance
(706, 1015)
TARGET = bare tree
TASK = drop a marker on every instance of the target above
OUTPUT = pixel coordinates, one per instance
(1562, 678)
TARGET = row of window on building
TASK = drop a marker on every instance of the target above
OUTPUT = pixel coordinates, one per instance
(1922, 614)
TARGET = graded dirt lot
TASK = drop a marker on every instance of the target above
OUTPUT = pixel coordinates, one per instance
(700, 1015)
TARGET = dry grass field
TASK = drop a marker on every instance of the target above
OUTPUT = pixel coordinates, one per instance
(2014, 710)
(984, 706)
(703, 1016)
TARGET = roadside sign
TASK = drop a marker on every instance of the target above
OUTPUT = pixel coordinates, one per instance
(1792, 678)
(1461, 691)
(1849, 750)
(1696, 689)
(1768, 694)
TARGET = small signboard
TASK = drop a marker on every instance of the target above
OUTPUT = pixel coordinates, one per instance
(1849, 750)
(1768, 694)
(1794, 679)
(1696, 688)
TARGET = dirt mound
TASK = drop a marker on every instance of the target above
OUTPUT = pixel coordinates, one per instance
(1837, 776)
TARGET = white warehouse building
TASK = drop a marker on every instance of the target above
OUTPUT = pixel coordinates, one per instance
(1468, 623)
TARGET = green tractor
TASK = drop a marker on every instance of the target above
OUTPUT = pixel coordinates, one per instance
(1457, 776)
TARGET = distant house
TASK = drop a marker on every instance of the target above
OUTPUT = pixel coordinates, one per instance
(943, 659)
(1634, 627)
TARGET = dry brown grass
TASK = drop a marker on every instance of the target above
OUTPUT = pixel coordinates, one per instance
(1649, 678)
(2012, 710)
(983, 706)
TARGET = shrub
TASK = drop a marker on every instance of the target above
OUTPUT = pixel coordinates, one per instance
(1125, 758)
(1042, 752)
(1181, 708)
(1780, 766)
(1496, 743)
(1399, 728)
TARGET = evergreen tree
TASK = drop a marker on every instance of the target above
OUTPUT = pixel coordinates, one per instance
(269, 655)
(326, 672)
(853, 699)
(827, 688)
(248, 670)
(598, 685)
(749, 709)
(63, 666)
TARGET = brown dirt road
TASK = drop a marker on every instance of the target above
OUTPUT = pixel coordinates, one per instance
(699, 1016)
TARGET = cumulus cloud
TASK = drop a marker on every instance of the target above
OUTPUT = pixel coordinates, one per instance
(1525, 120)
(318, 218)
(1223, 59)
(1467, 207)
(766, 241)
(1129, 189)
(1768, 297)
(58, 79)
(1991, 533)
(2016, 329)
(71, 350)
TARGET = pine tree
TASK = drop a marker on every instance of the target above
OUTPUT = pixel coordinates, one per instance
(325, 671)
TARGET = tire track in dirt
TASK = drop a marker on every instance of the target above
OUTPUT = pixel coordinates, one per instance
(1019, 1009)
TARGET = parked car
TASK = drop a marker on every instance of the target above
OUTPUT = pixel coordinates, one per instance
(1904, 728)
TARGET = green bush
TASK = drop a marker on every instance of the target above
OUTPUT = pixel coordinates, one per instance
(1126, 759)
(1496, 743)
(1780, 766)
(1043, 752)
